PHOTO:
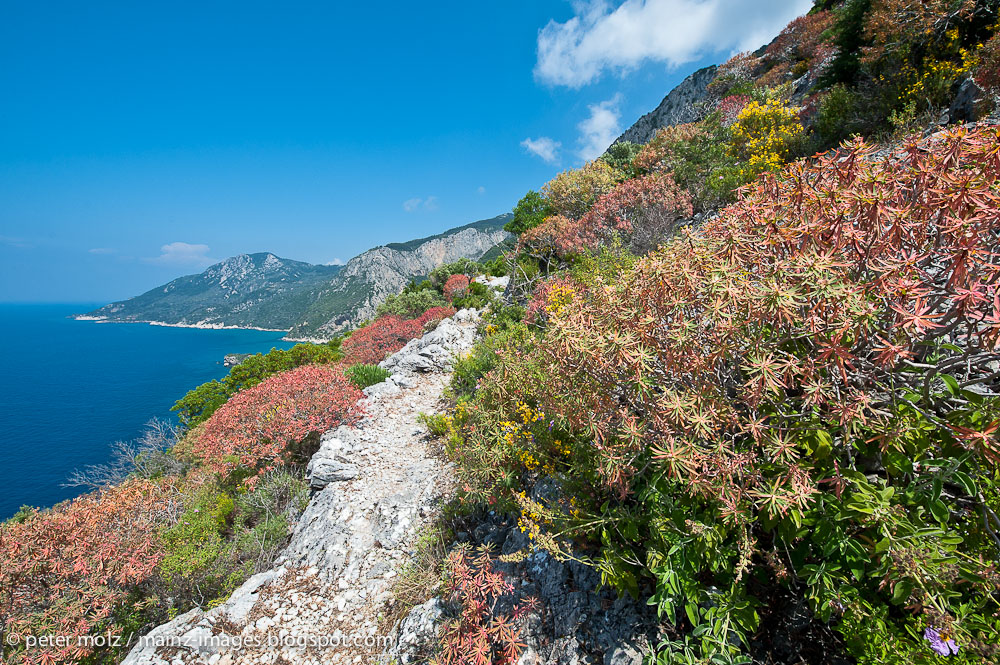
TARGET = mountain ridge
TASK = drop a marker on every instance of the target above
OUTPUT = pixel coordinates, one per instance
(681, 105)
(309, 301)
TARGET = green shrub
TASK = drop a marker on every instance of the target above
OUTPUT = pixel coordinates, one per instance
(529, 212)
(838, 117)
(363, 375)
(437, 423)
(412, 303)
(468, 369)
(441, 274)
(196, 564)
(497, 266)
(477, 295)
(619, 157)
(223, 536)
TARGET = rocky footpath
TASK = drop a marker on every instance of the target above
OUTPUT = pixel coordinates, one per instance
(375, 484)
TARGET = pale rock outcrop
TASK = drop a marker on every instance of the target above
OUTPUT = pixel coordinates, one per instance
(685, 103)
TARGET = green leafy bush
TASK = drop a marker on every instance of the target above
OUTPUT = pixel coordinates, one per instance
(440, 275)
(477, 295)
(529, 212)
(619, 156)
(470, 368)
(412, 303)
(362, 375)
(223, 536)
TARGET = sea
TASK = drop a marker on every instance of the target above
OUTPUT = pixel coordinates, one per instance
(69, 389)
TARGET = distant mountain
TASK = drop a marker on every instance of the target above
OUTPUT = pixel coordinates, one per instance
(369, 278)
(266, 291)
(250, 290)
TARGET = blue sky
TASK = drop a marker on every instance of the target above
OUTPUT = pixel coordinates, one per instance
(143, 141)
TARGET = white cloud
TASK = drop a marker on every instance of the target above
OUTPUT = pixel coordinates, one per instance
(604, 37)
(600, 129)
(101, 250)
(429, 203)
(335, 262)
(183, 254)
(544, 147)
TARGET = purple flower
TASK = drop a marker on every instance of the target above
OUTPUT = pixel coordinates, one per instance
(551, 422)
(943, 647)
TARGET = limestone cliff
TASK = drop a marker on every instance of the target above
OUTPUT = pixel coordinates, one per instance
(354, 294)
(685, 103)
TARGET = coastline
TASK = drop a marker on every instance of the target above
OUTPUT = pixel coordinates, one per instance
(309, 340)
(201, 325)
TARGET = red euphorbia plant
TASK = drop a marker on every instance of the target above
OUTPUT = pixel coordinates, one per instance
(383, 336)
(835, 288)
(67, 571)
(388, 334)
(455, 287)
(255, 428)
(435, 314)
(482, 634)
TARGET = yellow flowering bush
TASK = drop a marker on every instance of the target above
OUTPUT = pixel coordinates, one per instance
(765, 135)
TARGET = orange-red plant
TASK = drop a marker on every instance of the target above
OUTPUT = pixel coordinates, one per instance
(642, 211)
(482, 635)
(832, 291)
(255, 428)
(67, 571)
(455, 287)
(383, 336)
(435, 314)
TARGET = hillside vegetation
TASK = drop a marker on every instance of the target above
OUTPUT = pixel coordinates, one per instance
(784, 406)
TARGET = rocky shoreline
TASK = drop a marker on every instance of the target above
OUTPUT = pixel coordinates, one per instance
(201, 325)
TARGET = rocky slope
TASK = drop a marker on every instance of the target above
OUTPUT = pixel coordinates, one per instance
(682, 104)
(368, 279)
(313, 301)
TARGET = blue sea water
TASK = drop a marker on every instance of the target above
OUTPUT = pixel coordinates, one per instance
(69, 389)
